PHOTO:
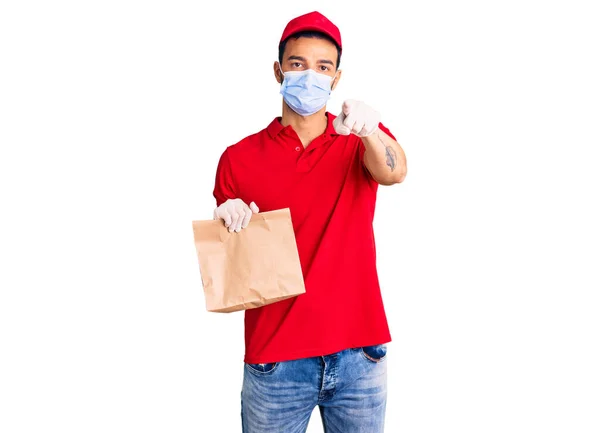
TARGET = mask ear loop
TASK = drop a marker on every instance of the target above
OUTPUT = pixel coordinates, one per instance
(331, 83)
(282, 74)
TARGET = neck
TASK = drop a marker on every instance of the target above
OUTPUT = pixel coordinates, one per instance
(307, 128)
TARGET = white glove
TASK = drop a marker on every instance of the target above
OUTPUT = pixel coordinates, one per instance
(235, 213)
(358, 118)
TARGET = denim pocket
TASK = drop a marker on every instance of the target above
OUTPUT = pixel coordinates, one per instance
(375, 353)
(264, 368)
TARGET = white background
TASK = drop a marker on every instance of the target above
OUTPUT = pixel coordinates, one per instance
(113, 116)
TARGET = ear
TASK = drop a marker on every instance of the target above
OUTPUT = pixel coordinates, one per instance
(336, 79)
(277, 72)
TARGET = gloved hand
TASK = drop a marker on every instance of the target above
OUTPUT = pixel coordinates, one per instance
(356, 117)
(235, 213)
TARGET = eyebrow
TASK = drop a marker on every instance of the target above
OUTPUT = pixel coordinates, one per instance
(329, 62)
(302, 59)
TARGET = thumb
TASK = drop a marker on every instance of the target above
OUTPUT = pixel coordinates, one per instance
(253, 207)
(338, 125)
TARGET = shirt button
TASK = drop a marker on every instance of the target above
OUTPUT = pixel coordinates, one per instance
(297, 148)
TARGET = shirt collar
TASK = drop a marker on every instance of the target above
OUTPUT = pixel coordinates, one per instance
(275, 127)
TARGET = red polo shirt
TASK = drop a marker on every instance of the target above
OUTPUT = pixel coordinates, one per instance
(331, 197)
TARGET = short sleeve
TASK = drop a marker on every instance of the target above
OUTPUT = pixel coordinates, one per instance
(224, 184)
(362, 146)
(387, 131)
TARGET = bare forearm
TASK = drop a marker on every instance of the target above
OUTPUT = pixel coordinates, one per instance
(384, 158)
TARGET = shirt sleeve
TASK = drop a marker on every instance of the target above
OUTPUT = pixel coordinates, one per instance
(224, 184)
(363, 149)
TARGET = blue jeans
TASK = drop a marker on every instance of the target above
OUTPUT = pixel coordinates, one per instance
(350, 388)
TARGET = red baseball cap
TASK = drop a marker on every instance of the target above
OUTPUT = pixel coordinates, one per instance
(314, 21)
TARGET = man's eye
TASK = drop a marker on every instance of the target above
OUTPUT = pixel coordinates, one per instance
(324, 68)
(296, 64)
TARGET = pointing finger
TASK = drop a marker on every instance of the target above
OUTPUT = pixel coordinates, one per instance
(346, 106)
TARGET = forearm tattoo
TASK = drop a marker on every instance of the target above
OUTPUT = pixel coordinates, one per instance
(390, 155)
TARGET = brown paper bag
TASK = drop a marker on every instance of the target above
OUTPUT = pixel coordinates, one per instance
(255, 267)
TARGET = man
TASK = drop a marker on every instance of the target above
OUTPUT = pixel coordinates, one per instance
(327, 346)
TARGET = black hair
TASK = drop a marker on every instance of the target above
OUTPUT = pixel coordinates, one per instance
(310, 34)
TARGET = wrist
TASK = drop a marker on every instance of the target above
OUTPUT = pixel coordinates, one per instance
(371, 134)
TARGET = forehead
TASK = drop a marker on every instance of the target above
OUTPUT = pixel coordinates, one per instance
(310, 47)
